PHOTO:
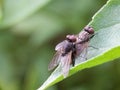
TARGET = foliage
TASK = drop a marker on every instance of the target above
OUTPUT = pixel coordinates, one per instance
(29, 30)
(107, 39)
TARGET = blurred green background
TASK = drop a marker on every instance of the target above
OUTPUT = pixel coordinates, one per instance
(29, 31)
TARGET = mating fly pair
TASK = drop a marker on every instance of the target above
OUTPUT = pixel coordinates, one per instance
(69, 49)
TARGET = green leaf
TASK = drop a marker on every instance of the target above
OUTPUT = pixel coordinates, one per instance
(34, 75)
(41, 26)
(107, 40)
(0, 10)
(8, 80)
(16, 11)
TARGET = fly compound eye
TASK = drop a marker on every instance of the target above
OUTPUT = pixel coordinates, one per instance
(71, 38)
(89, 29)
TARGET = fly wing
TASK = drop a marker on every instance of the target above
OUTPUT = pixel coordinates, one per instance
(55, 61)
(60, 45)
(80, 48)
(65, 63)
(81, 52)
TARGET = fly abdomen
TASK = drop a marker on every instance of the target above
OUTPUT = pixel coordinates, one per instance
(68, 47)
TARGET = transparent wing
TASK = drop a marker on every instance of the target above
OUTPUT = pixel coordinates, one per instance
(55, 61)
(81, 52)
(65, 63)
(80, 48)
(60, 45)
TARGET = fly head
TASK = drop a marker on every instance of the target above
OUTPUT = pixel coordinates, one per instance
(71, 38)
(89, 29)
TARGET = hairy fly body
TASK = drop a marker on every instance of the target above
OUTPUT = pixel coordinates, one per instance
(69, 49)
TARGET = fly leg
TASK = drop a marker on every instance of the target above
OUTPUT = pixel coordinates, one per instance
(93, 47)
(85, 53)
(82, 57)
(73, 62)
(73, 55)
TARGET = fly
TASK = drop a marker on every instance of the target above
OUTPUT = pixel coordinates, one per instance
(68, 50)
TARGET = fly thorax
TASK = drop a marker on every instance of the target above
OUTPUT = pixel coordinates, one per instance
(83, 37)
